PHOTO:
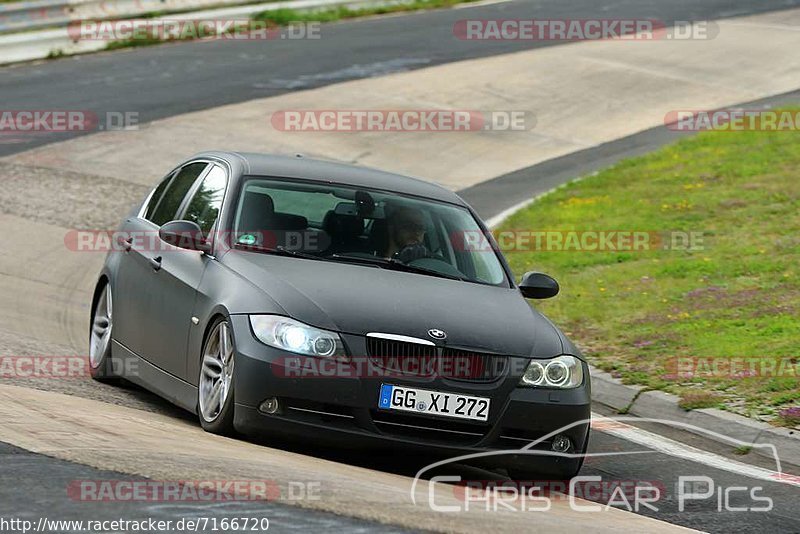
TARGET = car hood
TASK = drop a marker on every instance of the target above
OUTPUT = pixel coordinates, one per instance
(358, 299)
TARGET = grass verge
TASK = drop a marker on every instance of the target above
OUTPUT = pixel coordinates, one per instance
(732, 303)
(286, 16)
(283, 17)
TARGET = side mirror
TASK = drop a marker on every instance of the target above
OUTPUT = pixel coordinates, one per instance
(538, 286)
(184, 234)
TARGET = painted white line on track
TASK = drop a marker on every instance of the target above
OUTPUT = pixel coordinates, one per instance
(677, 449)
(498, 219)
(505, 214)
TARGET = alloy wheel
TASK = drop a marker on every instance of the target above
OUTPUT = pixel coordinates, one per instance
(100, 336)
(216, 374)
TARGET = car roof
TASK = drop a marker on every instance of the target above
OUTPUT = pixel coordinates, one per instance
(302, 168)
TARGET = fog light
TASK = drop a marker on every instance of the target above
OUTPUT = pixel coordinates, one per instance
(561, 443)
(270, 406)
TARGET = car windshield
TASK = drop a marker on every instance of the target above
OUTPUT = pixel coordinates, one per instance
(357, 225)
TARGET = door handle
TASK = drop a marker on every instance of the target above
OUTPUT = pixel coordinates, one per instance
(155, 263)
(127, 244)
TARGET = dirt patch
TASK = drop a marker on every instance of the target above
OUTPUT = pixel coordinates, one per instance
(67, 199)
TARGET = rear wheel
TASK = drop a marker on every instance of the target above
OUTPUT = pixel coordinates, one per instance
(215, 388)
(100, 363)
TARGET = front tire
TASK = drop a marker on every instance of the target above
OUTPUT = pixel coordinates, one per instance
(215, 388)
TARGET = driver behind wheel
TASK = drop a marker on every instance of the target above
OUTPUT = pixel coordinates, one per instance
(406, 230)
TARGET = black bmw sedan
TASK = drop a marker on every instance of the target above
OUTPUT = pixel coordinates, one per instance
(280, 296)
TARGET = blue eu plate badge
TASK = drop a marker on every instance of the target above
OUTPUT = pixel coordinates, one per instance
(386, 396)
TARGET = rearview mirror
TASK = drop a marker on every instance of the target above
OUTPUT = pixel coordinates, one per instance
(184, 234)
(538, 286)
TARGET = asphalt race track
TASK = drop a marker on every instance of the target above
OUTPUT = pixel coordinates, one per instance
(174, 79)
(168, 80)
(46, 478)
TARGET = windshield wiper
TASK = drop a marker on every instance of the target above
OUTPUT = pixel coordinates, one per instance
(379, 262)
(400, 266)
(281, 251)
(391, 263)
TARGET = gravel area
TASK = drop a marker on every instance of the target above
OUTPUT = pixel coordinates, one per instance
(67, 199)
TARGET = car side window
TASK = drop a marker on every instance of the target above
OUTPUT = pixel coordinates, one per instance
(207, 201)
(156, 196)
(173, 196)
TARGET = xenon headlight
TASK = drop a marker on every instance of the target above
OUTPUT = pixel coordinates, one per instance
(564, 372)
(287, 334)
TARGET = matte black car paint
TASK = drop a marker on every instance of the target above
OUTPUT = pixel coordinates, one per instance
(155, 302)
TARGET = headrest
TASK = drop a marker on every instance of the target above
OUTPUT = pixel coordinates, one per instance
(338, 225)
(260, 202)
(257, 213)
(288, 221)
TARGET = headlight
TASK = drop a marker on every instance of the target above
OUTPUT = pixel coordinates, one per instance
(564, 372)
(294, 336)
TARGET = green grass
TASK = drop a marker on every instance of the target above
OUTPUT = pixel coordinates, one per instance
(789, 417)
(134, 43)
(189, 35)
(634, 312)
(694, 400)
(137, 43)
(285, 16)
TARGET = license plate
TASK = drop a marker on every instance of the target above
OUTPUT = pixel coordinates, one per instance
(423, 401)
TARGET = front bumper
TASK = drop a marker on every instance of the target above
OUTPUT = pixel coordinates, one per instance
(342, 410)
